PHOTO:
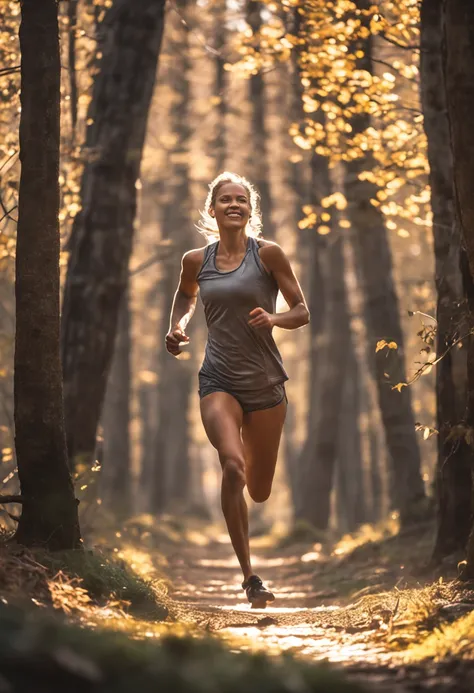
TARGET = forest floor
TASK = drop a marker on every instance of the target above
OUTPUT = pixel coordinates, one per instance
(367, 605)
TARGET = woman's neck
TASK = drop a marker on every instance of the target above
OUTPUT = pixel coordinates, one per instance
(232, 243)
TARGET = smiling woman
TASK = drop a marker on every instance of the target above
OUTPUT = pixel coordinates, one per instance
(241, 381)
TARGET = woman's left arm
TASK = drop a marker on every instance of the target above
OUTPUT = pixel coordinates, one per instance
(276, 262)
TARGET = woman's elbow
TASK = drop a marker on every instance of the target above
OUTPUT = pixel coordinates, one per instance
(306, 316)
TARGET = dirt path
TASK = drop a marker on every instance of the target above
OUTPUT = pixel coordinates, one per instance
(310, 623)
(207, 583)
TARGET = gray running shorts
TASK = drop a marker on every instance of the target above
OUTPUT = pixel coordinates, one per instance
(249, 400)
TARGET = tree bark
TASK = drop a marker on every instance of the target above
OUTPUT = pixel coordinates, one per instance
(330, 337)
(49, 515)
(374, 263)
(259, 151)
(116, 479)
(172, 446)
(459, 73)
(219, 144)
(351, 500)
(318, 458)
(102, 235)
(453, 469)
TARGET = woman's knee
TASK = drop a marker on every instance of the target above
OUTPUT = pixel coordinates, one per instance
(259, 493)
(233, 471)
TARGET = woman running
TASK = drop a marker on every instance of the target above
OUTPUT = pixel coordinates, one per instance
(241, 381)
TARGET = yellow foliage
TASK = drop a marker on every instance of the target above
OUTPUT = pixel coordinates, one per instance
(381, 344)
(337, 88)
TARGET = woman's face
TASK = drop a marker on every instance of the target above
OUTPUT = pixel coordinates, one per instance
(232, 207)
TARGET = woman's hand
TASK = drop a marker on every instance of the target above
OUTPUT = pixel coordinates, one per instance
(173, 339)
(261, 319)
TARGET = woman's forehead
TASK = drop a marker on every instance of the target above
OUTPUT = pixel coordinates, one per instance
(232, 189)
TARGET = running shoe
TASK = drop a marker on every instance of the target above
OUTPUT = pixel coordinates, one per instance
(257, 593)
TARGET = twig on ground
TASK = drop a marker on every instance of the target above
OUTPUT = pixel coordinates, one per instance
(10, 499)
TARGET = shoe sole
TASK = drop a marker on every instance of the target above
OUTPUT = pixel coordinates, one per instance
(260, 603)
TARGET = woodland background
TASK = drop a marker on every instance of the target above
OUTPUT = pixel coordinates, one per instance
(335, 111)
(353, 119)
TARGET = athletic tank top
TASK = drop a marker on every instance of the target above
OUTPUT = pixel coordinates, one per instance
(236, 353)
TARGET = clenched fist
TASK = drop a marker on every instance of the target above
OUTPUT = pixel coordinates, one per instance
(174, 339)
(261, 319)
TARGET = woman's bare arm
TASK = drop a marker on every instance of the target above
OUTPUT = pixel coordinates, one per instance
(184, 302)
(276, 262)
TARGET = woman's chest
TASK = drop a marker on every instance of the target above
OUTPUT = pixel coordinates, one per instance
(245, 287)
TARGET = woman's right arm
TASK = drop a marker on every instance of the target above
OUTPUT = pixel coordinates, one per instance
(184, 301)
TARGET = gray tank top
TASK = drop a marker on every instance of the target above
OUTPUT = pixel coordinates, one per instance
(237, 354)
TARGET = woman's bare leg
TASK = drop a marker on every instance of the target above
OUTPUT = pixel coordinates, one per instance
(261, 432)
(222, 418)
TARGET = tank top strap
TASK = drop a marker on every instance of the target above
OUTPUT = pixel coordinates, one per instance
(254, 248)
(209, 252)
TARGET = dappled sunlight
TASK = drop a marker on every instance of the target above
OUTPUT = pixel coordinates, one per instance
(139, 561)
(305, 641)
(367, 533)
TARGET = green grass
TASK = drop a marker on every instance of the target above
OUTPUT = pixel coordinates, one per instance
(106, 578)
(44, 652)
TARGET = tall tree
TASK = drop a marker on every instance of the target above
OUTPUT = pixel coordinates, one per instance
(330, 340)
(171, 468)
(459, 71)
(116, 480)
(453, 471)
(351, 499)
(374, 263)
(299, 174)
(259, 152)
(49, 514)
(102, 235)
(220, 32)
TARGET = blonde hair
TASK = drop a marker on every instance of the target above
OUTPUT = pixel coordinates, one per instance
(207, 225)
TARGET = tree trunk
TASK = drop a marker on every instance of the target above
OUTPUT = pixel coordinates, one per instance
(297, 180)
(219, 144)
(453, 470)
(259, 154)
(375, 451)
(459, 72)
(351, 500)
(374, 265)
(318, 458)
(49, 514)
(116, 480)
(102, 235)
(172, 447)
(147, 404)
(330, 338)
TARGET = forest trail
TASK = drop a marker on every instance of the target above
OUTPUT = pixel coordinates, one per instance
(207, 590)
(310, 617)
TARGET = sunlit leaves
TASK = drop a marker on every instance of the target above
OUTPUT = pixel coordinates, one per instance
(338, 86)
(382, 344)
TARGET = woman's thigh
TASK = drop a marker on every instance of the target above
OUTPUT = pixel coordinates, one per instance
(261, 432)
(222, 419)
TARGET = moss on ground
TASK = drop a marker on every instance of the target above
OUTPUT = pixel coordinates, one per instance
(38, 649)
(105, 578)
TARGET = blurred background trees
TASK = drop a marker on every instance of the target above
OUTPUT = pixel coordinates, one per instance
(335, 113)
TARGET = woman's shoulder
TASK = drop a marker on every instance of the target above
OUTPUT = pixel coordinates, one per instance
(193, 259)
(195, 255)
(269, 250)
